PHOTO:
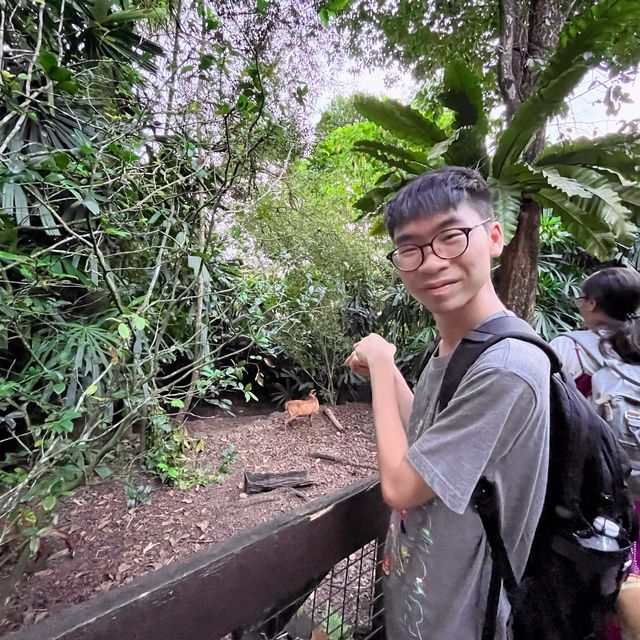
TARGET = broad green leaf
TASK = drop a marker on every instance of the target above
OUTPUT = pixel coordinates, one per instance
(104, 471)
(462, 93)
(589, 231)
(62, 160)
(402, 121)
(139, 322)
(48, 223)
(373, 199)
(91, 389)
(467, 149)
(49, 503)
(124, 331)
(566, 185)
(48, 61)
(12, 257)
(7, 198)
(507, 201)
(410, 161)
(132, 15)
(603, 201)
(616, 151)
(90, 202)
(630, 196)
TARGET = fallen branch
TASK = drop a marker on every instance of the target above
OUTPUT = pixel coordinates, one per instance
(330, 458)
(332, 417)
(257, 482)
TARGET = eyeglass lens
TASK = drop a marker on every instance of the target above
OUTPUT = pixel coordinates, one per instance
(446, 245)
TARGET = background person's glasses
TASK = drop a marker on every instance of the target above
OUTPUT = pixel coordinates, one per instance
(448, 244)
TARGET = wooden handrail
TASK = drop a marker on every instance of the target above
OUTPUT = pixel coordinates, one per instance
(235, 584)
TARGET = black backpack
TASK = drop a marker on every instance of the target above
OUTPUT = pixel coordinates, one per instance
(567, 588)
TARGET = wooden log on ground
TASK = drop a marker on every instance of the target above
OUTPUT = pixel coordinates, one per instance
(257, 482)
(332, 417)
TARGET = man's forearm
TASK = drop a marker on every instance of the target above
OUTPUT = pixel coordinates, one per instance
(390, 434)
(404, 397)
(402, 485)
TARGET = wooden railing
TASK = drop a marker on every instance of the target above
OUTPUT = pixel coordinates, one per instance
(238, 585)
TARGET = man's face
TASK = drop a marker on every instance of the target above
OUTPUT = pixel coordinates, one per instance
(446, 285)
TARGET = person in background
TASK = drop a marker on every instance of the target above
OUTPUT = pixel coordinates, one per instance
(609, 303)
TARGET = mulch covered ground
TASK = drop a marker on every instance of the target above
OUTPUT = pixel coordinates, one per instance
(113, 544)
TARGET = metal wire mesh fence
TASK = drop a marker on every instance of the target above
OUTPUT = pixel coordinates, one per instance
(346, 604)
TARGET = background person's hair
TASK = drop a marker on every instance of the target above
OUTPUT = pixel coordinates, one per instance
(437, 192)
(616, 292)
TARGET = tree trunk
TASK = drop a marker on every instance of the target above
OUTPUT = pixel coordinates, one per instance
(518, 275)
(529, 33)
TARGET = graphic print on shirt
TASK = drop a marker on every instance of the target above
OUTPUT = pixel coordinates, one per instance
(406, 545)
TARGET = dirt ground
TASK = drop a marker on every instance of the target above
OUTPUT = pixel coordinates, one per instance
(113, 544)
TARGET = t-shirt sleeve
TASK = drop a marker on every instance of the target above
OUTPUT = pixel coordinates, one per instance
(489, 411)
(567, 351)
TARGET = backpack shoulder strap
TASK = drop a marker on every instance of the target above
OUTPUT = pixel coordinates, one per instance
(614, 365)
(476, 342)
(582, 341)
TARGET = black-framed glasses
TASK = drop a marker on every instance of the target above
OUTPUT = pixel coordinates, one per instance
(447, 244)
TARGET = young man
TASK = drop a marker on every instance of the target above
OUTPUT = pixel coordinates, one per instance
(437, 560)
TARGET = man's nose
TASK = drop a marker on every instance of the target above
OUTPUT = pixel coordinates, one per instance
(431, 262)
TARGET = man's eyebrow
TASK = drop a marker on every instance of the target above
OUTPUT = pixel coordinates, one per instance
(447, 223)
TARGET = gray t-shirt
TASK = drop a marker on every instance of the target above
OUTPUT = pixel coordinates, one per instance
(437, 559)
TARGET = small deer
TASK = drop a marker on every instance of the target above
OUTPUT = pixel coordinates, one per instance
(298, 408)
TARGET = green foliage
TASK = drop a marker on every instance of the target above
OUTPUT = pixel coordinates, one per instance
(137, 495)
(597, 201)
(335, 626)
(402, 121)
(167, 454)
(584, 42)
(115, 302)
(559, 277)
(462, 94)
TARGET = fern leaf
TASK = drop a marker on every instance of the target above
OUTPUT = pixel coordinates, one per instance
(616, 151)
(409, 161)
(603, 201)
(467, 149)
(402, 121)
(462, 94)
(507, 200)
(583, 43)
(588, 230)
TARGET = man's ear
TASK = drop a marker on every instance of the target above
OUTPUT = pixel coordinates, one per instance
(496, 238)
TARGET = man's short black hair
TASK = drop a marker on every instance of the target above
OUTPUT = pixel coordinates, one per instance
(437, 192)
